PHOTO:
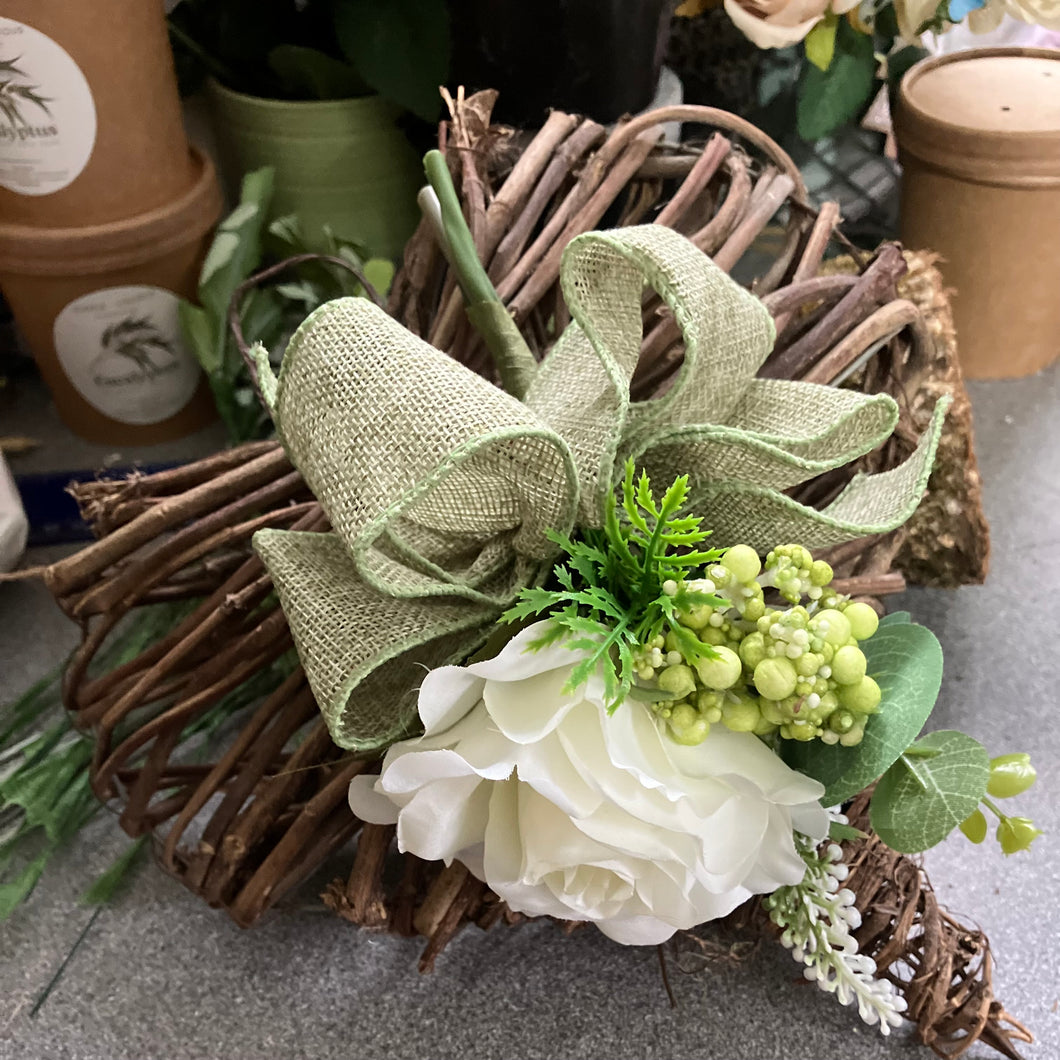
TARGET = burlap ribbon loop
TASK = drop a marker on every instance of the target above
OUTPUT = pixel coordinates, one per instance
(440, 487)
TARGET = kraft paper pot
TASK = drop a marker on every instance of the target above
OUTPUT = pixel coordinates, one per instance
(98, 307)
(92, 131)
(979, 141)
(341, 163)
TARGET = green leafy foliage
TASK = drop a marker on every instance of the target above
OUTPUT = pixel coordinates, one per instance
(612, 593)
(906, 661)
(45, 794)
(401, 48)
(934, 786)
(840, 832)
(830, 98)
(110, 882)
(820, 41)
(268, 313)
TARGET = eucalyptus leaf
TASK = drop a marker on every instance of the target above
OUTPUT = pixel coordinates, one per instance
(906, 661)
(896, 618)
(922, 798)
(401, 48)
(828, 99)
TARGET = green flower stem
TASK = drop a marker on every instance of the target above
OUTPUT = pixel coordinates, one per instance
(993, 808)
(485, 310)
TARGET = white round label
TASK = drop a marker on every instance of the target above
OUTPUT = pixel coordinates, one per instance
(47, 114)
(122, 349)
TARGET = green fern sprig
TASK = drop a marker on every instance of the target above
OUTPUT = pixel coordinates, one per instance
(623, 585)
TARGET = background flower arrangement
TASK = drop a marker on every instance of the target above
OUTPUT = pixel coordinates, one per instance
(848, 47)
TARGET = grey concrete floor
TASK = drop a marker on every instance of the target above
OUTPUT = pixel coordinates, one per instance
(160, 975)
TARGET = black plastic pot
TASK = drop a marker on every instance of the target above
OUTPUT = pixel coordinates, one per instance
(601, 59)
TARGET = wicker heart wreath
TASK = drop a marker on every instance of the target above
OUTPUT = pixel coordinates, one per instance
(441, 553)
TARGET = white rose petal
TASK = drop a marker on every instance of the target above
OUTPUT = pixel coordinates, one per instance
(567, 811)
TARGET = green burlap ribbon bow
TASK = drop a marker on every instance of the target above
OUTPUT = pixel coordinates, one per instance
(440, 487)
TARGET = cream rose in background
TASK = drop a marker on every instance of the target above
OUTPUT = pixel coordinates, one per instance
(566, 811)
(778, 23)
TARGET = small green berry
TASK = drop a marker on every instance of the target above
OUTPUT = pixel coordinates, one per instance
(771, 712)
(1016, 833)
(848, 665)
(853, 736)
(754, 609)
(832, 626)
(723, 671)
(820, 573)
(841, 721)
(775, 678)
(1010, 775)
(696, 617)
(713, 636)
(678, 680)
(862, 698)
(741, 714)
(743, 562)
(863, 620)
(974, 826)
(752, 649)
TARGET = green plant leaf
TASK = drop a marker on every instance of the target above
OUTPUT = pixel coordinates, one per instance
(236, 250)
(198, 334)
(16, 891)
(401, 48)
(922, 798)
(830, 98)
(820, 41)
(115, 876)
(307, 73)
(840, 832)
(896, 618)
(906, 661)
(379, 272)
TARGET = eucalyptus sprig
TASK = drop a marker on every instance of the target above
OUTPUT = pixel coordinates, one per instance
(622, 585)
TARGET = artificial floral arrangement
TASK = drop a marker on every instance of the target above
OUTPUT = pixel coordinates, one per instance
(401, 538)
(848, 47)
(665, 744)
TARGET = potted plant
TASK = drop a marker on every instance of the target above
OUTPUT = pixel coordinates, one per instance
(316, 89)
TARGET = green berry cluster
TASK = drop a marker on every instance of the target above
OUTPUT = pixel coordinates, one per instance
(1010, 775)
(796, 671)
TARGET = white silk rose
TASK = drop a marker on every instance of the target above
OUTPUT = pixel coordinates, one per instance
(566, 811)
(778, 23)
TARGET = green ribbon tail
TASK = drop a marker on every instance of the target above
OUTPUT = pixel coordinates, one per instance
(364, 652)
(871, 504)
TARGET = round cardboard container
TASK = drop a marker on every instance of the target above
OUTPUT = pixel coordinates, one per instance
(979, 142)
(94, 131)
(98, 308)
